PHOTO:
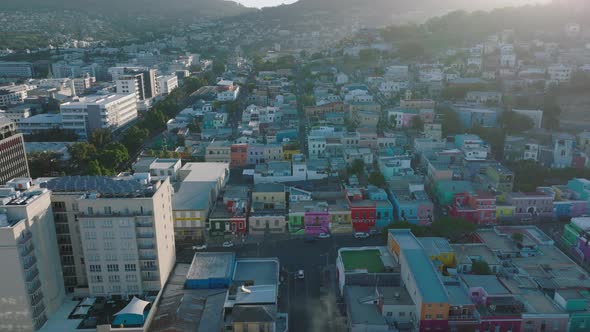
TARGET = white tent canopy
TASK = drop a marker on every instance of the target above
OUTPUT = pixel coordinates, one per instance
(81, 311)
(135, 307)
(88, 302)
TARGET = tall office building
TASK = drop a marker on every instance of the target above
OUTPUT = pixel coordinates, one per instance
(13, 158)
(32, 285)
(140, 82)
(90, 113)
(116, 235)
(16, 69)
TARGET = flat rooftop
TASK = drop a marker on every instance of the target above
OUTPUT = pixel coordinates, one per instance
(207, 265)
(464, 253)
(360, 302)
(368, 260)
(262, 271)
(101, 184)
(204, 172)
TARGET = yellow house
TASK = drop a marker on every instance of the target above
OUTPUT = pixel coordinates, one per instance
(269, 195)
(340, 220)
(439, 250)
(288, 153)
(504, 211)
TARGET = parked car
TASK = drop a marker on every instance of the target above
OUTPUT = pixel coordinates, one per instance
(374, 232)
(300, 274)
(228, 244)
(361, 235)
(201, 247)
(324, 235)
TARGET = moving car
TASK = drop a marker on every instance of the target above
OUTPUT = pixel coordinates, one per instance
(228, 244)
(201, 247)
(324, 235)
(361, 235)
(300, 274)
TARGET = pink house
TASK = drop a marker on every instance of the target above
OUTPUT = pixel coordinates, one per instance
(316, 219)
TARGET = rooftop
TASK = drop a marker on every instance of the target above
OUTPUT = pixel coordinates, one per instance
(207, 265)
(435, 246)
(362, 260)
(361, 307)
(490, 283)
(103, 185)
(260, 271)
(269, 187)
(204, 172)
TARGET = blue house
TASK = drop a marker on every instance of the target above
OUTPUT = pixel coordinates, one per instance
(473, 116)
(384, 213)
(376, 194)
(211, 270)
(287, 135)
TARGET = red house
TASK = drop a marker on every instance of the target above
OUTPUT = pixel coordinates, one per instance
(238, 155)
(363, 215)
(479, 208)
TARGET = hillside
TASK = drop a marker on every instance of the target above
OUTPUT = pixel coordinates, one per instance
(370, 12)
(169, 8)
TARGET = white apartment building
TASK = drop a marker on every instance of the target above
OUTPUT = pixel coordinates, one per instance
(13, 158)
(98, 111)
(32, 285)
(80, 85)
(560, 73)
(125, 244)
(14, 94)
(16, 69)
(131, 84)
(166, 83)
(38, 123)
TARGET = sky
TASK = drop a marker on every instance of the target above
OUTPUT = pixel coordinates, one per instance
(264, 3)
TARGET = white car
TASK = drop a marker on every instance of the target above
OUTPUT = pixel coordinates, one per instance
(324, 235)
(228, 244)
(201, 247)
(300, 274)
(361, 235)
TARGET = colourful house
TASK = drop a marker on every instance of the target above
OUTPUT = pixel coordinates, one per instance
(581, 187)
(531, 205)
(412, 205)
(565, 202)
(316, 219)
(478, 208)
(445, 190)
(340, 220)
(572, 231)
(363, 214)
(504, 211)
(421, 279)
(575, 302)
(238, 155)
(384, 213)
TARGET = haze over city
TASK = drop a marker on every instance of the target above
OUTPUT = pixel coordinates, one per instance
(294, 166)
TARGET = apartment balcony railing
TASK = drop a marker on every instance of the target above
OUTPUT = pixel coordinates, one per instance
(33, 286)
(145, 235)
(145, 245)
(147, 257)
(149, 268)
(31, 275)
(27, 249)
(36, 299)
(29, 262)
(147, 224)
(463, 318)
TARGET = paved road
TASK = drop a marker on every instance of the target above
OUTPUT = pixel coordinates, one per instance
(302, 298)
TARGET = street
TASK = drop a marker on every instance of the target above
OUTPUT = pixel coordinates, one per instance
(311, 301)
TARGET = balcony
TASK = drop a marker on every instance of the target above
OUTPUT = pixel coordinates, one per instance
(26, 236)
(26, 250)
(145, 235)
(36, 299)
(147, 257)
(29, 262)
(463, 318)
(31, 275)
(147, 224)
(150, 278)
(33, 286)
(145, 245)
(149, 268)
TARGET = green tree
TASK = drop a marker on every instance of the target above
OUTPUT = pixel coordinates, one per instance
(376, 178)
(112, 156)
(94, 168)
(515, 123)
(452, 228)
(133, 138)
(480, 267)
(192, 84)
(44, 164)
(218, 67)
(451, 124)
(101, 137)
(517, 237)
(81, 153)
(307, 100)
(357, 167)
(417, 123)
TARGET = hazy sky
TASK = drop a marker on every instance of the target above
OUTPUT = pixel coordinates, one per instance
(264, 3)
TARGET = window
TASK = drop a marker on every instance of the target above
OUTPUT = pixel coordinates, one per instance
(88, 223)
(110, 257)
(130, 277)
(90, 210)
(96, 278)
(108, 223)
(107, 210)
(130, 267)
(98, 289)
(91, 245)
(402, 314)
(428, 316)
(132, 288)
(389, 314)
(112, 267)
(94, 268)
(114, 278)
(90, 235)
(109, 235)
(116, 289)
(439, 316)
(108, 245)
